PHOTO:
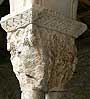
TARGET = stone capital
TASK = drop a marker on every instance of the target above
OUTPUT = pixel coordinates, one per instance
(45, 18)
(41, 42)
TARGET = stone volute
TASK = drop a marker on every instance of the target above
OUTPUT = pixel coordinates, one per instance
(41, 40)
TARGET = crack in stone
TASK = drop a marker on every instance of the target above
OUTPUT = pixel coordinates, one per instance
(29, 76)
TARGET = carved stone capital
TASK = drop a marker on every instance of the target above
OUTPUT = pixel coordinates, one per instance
(42, 47)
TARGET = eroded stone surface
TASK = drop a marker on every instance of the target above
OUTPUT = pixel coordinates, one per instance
(43, 56)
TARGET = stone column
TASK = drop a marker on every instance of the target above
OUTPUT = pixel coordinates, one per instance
(40, 39)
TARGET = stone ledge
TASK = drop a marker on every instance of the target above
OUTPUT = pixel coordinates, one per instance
(45, 18)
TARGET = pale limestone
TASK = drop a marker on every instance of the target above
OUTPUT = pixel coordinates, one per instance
(42, 47)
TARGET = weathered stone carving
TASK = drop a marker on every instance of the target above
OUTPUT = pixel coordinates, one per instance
(42, 47)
